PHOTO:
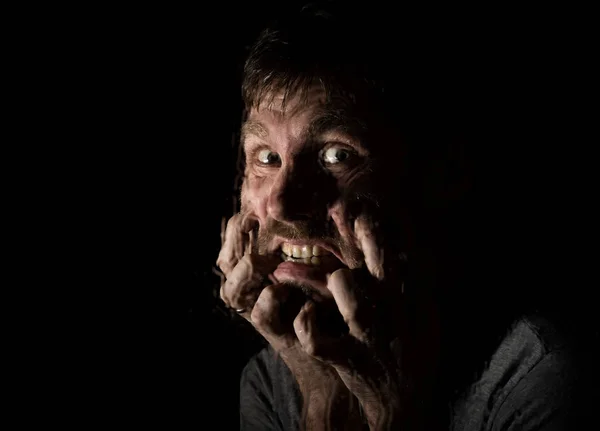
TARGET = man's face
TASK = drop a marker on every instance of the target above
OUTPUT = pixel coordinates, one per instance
(307, 179)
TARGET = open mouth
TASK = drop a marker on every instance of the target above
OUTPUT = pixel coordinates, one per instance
(305, 254)
(307, 265)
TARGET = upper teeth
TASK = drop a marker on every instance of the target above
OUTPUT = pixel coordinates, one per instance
(302, 251)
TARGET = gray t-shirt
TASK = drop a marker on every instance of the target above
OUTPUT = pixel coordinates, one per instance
(528, 384)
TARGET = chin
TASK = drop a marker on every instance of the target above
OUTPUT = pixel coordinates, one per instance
(311, 281)
(308, 290)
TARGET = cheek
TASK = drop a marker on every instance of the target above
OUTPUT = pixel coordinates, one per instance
(254, 196)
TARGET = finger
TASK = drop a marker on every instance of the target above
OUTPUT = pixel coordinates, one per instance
(335, 351)
(235, 239)
(269, 315)
(232, 248)
(311, 339)
(251, 242)
(367, 242)
(306, 329)
(223, 229)
(242, 286)
(343, 288)
(252, 246)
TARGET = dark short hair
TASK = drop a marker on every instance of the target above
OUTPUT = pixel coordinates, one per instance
(323, 44)
(397, 66)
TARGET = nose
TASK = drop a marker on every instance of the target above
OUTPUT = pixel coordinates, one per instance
(293, 196)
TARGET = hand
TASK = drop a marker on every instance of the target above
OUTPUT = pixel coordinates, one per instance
(381, 369)
(246, 279)
(272, 309)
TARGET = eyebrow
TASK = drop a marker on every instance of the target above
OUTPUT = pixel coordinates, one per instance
(252, 127)
(332, 120)
(324, 121)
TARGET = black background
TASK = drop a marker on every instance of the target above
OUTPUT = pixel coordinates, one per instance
(156, 104)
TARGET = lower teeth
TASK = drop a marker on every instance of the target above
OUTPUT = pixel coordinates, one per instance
(306, 260)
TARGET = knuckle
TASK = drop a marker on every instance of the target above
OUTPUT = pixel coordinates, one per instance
(265, 308)
(230, 283)
(298, 325)
(247, 262)
(224, 261)
(268, 295)
(232, 291)
(234, 300)
(225, 267)
(259, 317)
(337, 279)
(233, 222)
(311, 347)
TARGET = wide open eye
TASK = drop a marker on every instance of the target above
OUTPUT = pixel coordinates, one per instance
(336, 154)
(268, 157)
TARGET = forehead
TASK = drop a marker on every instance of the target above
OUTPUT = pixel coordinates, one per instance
(278, 108)
(283, 121)
(302, 116)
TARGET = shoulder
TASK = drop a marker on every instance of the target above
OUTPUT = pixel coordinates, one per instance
(528, 381)
(554, 388)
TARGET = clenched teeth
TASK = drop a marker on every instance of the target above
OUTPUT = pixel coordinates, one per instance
(306, 260)
(302, 251)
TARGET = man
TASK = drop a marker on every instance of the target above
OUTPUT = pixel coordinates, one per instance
(342, 259)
